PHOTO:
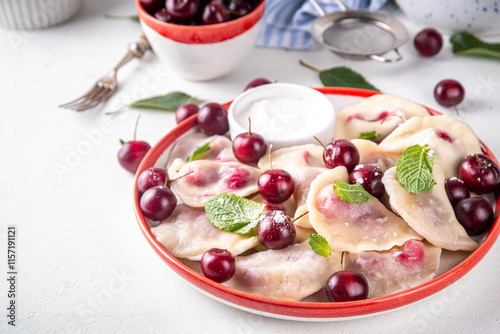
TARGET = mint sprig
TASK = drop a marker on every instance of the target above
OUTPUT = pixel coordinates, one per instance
(351, 193)
(199, 151)
(319, 245)
(232, 213)
(414, 169)
(369, 135)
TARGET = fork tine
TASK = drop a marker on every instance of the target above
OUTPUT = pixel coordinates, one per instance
(98, 99)
(89, 99)
(83, 98)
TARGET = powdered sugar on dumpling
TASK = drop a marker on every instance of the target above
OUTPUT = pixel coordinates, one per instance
(429, 213)
(353, 227)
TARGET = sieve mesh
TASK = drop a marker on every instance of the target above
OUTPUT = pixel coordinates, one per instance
(359, 37)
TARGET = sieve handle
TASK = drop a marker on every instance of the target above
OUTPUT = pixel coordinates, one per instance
(388, 60)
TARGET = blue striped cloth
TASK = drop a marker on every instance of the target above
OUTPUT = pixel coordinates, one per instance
(287, 23)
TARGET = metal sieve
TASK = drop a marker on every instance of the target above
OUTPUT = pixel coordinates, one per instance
(358, 34)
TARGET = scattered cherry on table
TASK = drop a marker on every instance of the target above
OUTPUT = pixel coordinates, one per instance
(428, 42)
(132, 152)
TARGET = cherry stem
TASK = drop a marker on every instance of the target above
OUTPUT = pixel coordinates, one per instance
(270, 163)
(117, 110)
(301, 62)
(342, 261)
(180, 177)
(319, 141)
(479, 161)
(456, 109)
(249, 126)
(136, 123)
(302, 215)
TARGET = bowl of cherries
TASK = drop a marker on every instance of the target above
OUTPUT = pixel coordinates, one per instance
(201, 39)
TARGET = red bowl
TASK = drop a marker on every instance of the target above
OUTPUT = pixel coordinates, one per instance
(304, 310)
(202, 52)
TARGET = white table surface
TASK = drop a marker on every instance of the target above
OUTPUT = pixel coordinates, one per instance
(83, 264)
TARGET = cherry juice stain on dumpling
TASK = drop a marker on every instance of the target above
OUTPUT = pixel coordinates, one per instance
(200, 180)
(353, 227)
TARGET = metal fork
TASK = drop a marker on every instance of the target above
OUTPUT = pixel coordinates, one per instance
(106, 86)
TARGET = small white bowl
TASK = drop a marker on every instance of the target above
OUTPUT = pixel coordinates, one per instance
(34, 14)
(476, 16)
(284, 114)
(202, 52)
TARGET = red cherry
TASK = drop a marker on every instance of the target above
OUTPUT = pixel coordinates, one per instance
(257, 82)
(185, 111)
(150, 178)
(449, 93)
(480, 174)
(276, 230)
(218, 265)
(346, 285)
(428, 42)
(157, 203)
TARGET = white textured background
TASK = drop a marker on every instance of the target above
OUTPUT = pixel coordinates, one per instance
(84, 266)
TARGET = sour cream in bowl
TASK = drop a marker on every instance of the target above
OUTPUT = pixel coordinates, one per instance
(284, 114)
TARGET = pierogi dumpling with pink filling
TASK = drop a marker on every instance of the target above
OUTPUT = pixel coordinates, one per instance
(307, 155)
(353, 227)
(429, 213)
(291, 273)
(449, 138)
(381, 113)
(396, 270)
(187, 233)
(199, 180)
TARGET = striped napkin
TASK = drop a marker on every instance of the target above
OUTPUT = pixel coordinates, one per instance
(287, 23)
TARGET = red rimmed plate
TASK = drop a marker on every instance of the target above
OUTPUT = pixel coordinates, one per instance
(304, 310)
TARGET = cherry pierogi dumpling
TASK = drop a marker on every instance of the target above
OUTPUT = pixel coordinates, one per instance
(187, 233)
(291, 273)
(396, 270)
(381, 113)
(449, 138)
(429, 213)
(370, 153)
(288, 206)
(308, 155)
(200, 180)
(353, 227)
(221, 148)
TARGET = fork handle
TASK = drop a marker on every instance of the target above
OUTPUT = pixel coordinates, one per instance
(135, 50)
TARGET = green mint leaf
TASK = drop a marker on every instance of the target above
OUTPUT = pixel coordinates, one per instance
(134, 18)
(169, 102)
(468, 44)
(319, 245)
(199, 151)
(344, 77)
(351, 193)
(369, 135)
(233, 213)
(414, 169)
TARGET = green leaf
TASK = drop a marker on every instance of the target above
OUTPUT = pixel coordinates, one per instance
(414, 169)
(351, 193)
(233, 213)
(344, 77)
(199, 151)
(134, 18)
(468, 44)
(369, 135)
(169, 102)
(319, 245)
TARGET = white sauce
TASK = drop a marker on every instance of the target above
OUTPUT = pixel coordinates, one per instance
(284, 117)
